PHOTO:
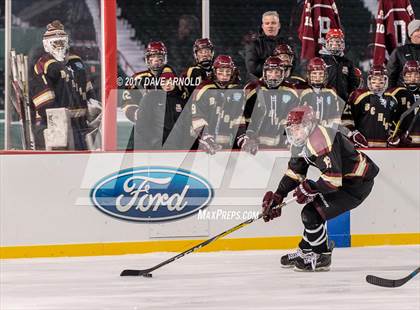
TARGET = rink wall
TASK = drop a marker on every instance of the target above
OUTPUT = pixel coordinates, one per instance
(76, 204)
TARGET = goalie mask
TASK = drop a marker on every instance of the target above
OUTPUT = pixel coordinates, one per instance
(334, 42)
(411, 75)
(274, 71)
(56, 41)
(317, 72)
(156, 56)
(377, 81)
(203, 52)
(301, 122)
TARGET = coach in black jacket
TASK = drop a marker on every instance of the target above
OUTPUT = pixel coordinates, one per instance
(400, 55)
(263, 46)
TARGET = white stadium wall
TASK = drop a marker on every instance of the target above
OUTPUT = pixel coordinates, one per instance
(46, 207)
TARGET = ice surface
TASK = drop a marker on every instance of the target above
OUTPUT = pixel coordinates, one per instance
(217, 280)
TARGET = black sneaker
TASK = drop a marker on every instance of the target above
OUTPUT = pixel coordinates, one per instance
(314, 262)
(288, 260)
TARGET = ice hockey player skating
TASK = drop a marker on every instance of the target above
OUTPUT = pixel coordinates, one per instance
(345, 182)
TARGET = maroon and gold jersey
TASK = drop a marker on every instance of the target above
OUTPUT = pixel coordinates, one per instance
(266, 111)
(135, 88)
(218, 111)
(334, 155)
(328, 107)
(374, 116)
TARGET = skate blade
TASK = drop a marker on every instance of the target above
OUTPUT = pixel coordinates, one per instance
(320, 269)
(287, 266)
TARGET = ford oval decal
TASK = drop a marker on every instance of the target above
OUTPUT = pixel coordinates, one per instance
(151, 194)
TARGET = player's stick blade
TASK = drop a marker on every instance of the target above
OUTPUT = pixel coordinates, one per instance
(381, 282)
(134, 273)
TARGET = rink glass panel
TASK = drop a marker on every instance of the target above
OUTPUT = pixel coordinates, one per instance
(176, 23)
(29, 21)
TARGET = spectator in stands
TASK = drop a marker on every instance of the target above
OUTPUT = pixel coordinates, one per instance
(409, 51)
(263, 45)
(180, 45)
(341, 73)
(163, 118)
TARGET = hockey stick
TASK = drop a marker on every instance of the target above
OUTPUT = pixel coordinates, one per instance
(147, 272)
(404, 115)
(391, 283)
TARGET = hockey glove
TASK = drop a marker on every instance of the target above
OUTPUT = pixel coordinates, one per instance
(207, 143)
(248, 143)
(270, 201)
(305, 192)
(358, 139)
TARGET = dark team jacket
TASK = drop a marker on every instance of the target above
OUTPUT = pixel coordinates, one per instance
(334, 155)
(163, 121)
(217, 111)
(258, 51)
(194, 75)
(136, 88)
(266, 111)
(397, 60)
(410, 124)
(340, 74)
(57, 84)
(373, 116)
(327, 106)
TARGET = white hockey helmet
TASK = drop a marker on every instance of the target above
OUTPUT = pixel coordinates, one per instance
(56, 41)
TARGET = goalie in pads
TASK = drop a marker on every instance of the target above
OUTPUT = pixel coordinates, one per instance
(62, 96)
(345, 182)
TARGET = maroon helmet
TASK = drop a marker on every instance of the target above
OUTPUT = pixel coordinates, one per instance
(300, 124)
(156, 48)
(224, 61)
(378, 71)
(200, 44)
(359, 75)
(411, 81)
(317, 64)
(274, 62)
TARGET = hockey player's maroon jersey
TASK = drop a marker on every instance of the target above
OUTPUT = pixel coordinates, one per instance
(334, 155)
(318, 16)
(391, 27)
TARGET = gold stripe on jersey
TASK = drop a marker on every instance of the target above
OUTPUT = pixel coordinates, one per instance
(305, 92)
(296, 77)
(141, 75)
(49, 62)
(43, 97)
(190, 70)
(203, 89)
(360, 98)
(295, 176)
(71, 57)
(359, 168)
(289, 89)
(251, 93)
(326, 144)
(167, 69)
(396, 90)
(334, 181)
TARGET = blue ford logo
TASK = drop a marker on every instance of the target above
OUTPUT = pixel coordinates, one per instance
(151, 194)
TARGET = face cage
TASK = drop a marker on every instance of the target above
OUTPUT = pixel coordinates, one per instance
(58, 52)
(204, 63)
(273, 83)
(156, 68)
(412, 86)
(377, 92)
(307, 128)
(320, 84)
(335, 51)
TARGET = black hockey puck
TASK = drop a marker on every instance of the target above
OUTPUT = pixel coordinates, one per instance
(147, 275)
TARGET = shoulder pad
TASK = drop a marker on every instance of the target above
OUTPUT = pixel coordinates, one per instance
(142, 74)
(74, 57)
(357, 95)
(202, 88)
(320, 141)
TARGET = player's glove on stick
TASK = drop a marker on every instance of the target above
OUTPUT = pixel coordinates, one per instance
(270, 201)
(358, 139)
(305, 192)
(207, 143)
(248, 143)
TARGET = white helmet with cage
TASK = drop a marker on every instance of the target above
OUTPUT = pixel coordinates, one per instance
(56, 41)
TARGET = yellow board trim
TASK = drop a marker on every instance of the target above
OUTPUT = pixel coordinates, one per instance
(385, 239)
(234, 244)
